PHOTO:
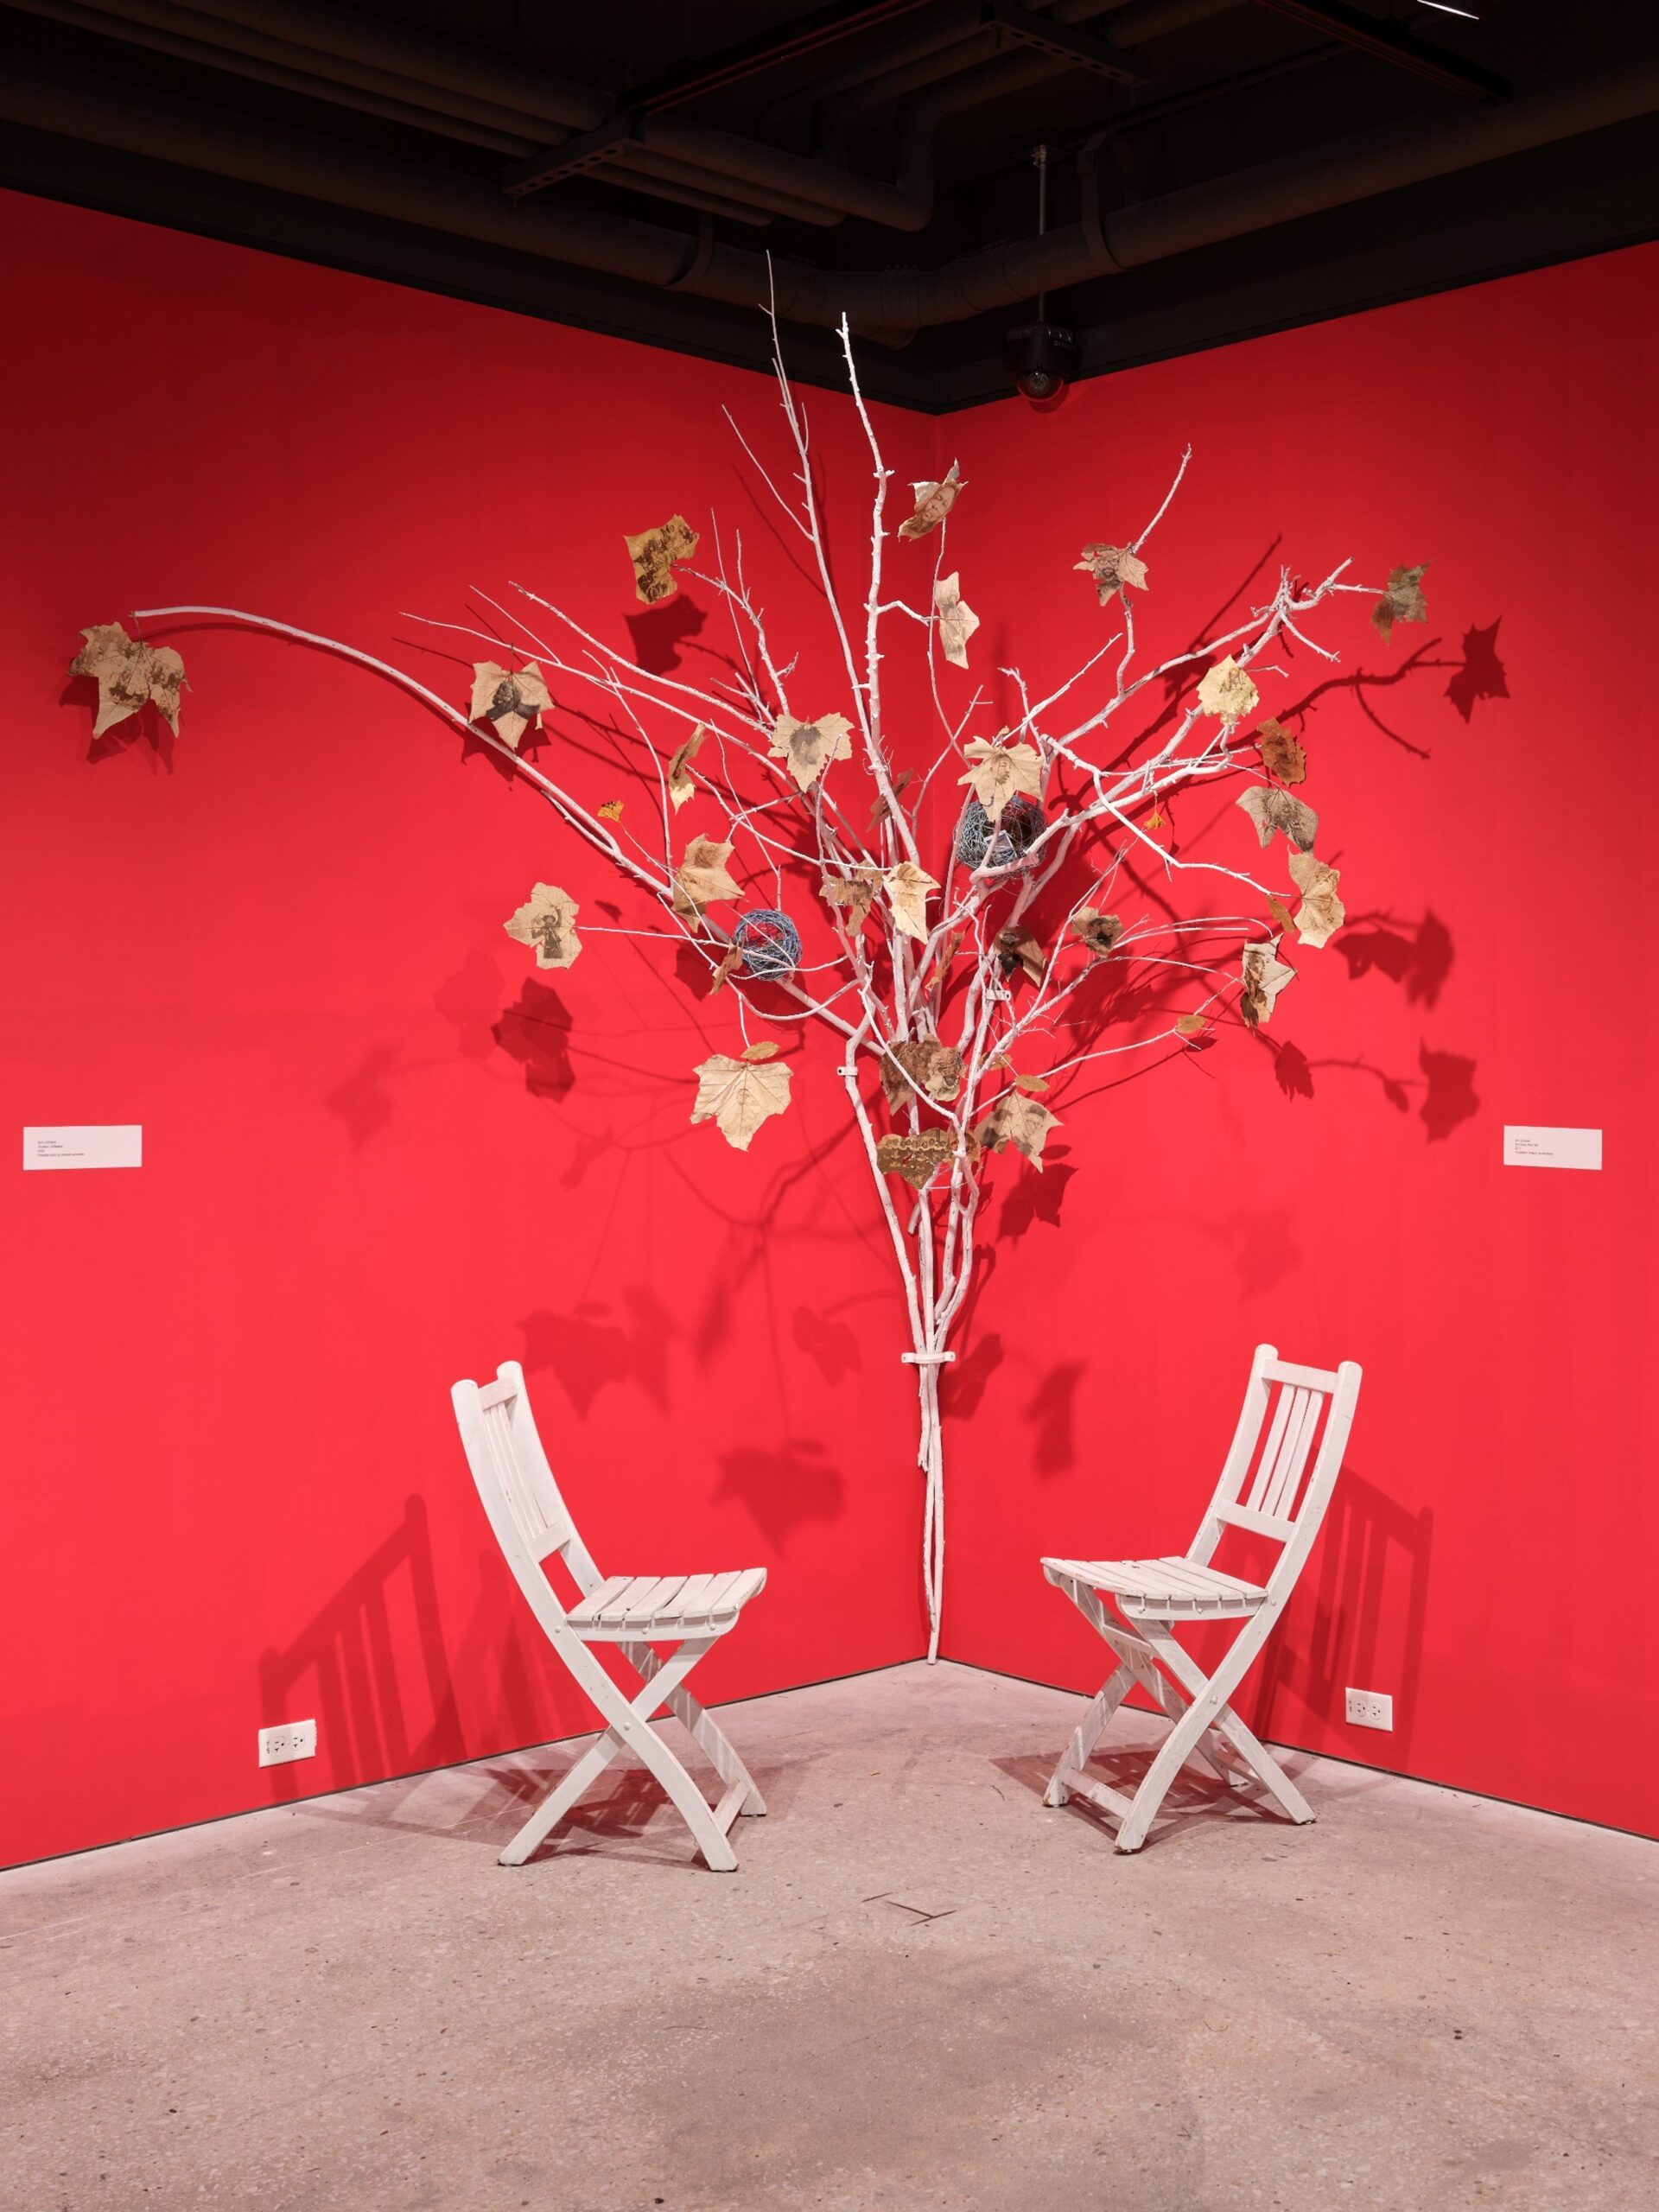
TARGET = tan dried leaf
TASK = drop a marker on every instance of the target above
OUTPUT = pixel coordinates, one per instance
(1112, 566)
(655, 555)
(1191, 1025)
(728, 963)
(899, 785)
(1155, 819)
(1403, 601)
(918, 1158)
(1020, 1122)
(611, 811)
(928, 1064)
(957, 620)
(908, 886)
(949, 950)
(854, 892)
(548, 920)
(1264, 975)
(682, 784)
(739, 1095)
(1321, 912)
(1100, 932)
(1278, 914)
(765, 1049)
(1017, 948)
(1282, 756)
(1271, 810)
(998, 771)
(933, 502)
(807, 748)
(1035, 1086)
(128, 673)
(1228, 691)
(509, 700)
(702, 877)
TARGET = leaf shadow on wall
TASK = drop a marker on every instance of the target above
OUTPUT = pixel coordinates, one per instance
(1052, 1409)
(1481, 674)
(535, 1030)
(596, 1344)
(783, 1488)
(658, 634)
(363, 1102)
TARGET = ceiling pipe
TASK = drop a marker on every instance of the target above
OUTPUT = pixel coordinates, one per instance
(888, 300)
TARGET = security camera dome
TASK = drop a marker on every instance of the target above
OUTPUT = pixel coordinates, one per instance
(1042, 358)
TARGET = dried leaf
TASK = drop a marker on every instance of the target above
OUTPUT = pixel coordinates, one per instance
(899, 785)
(1278, 914)
(740, 1095)
(682, 784)
(957, 620)
(765, 1050)
(1228, 691)
(933, 502)
(908, 886)
(509, 700)
(1020, 1122)
(928, 1064)
(918, 1158)
(701, 877)
(1264, 975)
(728, 963)
(854, 892)
(548, 920)
(807, 748)
(1191, 1025)
(655, 554)
(1035, 1086)
(128, 673)
(949, 950)
(1270, 808)
(1100, 932)
(611, 811)
(1000, 771)
(1017, 948)
(1321, 912)
(1282, 756)
(1155, 819)
(1403, 602)
(1112, 566)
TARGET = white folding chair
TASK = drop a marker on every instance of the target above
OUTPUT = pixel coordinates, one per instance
(1152, 1597)
(691, 1611)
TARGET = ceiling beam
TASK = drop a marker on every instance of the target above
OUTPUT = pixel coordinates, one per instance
(1367, 36)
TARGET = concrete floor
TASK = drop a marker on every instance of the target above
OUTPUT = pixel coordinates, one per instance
(922, 1991)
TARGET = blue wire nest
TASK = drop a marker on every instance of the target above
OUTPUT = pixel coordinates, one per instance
(1022, 823)
(769, 941)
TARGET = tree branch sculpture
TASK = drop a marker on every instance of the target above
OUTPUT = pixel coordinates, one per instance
(966, 1003)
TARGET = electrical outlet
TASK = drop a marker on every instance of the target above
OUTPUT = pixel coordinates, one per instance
(1370, 1709)
(296, 1740)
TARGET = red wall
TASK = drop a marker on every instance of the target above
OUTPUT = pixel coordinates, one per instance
(381, 1151)
(1337, 1188)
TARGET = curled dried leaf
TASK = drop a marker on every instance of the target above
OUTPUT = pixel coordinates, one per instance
(957, 620)
(682, 784)
(611, 811)
(1191, 1025)
(728, 963)
(853, 893)
(510, 700)
(548, 920)
(921, 1063)
(656, 554)
(701, 876)
(128, 674)
(1321, 912)
(899, 786)
(1278, 914)
(1020, 1122)
(807, 748)
(933, 502)
(1100, 932)
(1264, 975)
(1112, 566)
(1228, 691)
(739, 1095)
(1402, 599)
(1282, 756)
(1035, 1086)
(908, 886)
(1017, 948)
(1272, 810)
(998, 771)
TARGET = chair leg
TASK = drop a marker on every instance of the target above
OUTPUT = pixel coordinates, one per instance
(700, 1725)
(553, 1807)
(1227, 1723)
(1087, 1732)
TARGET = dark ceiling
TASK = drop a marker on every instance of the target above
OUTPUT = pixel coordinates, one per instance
(1214, 167)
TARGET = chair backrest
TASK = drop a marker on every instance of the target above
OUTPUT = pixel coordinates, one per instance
(1285, 1454)
(530, 1518)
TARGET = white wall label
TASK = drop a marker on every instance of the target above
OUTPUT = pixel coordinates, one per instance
(107, 1144)
(1552, 1147)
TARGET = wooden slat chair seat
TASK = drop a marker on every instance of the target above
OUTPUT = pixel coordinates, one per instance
(631, 1612)
(1265, 1489)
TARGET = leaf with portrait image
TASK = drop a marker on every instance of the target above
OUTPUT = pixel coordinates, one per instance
(1321, 912)
(655, 555)
(1112, 566)
(919, 1156)
(1016, 948)
(1402, 599)
(509, 700)
(1282, 756)
(1020, 1122)
(933, 502)
(682, 784)
(1227, 690)
(957, 620)
(908, 886)
(548, 920)
(920, 1063)
(1272, 810)
(738, 1095)
(701, 876)
(1264, 975)
(807, 748)
(997, 773)
(1100, 932)
(128, 674)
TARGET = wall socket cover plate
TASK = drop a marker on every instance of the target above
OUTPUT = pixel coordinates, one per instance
(1369, 1709)
(294, 1739)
